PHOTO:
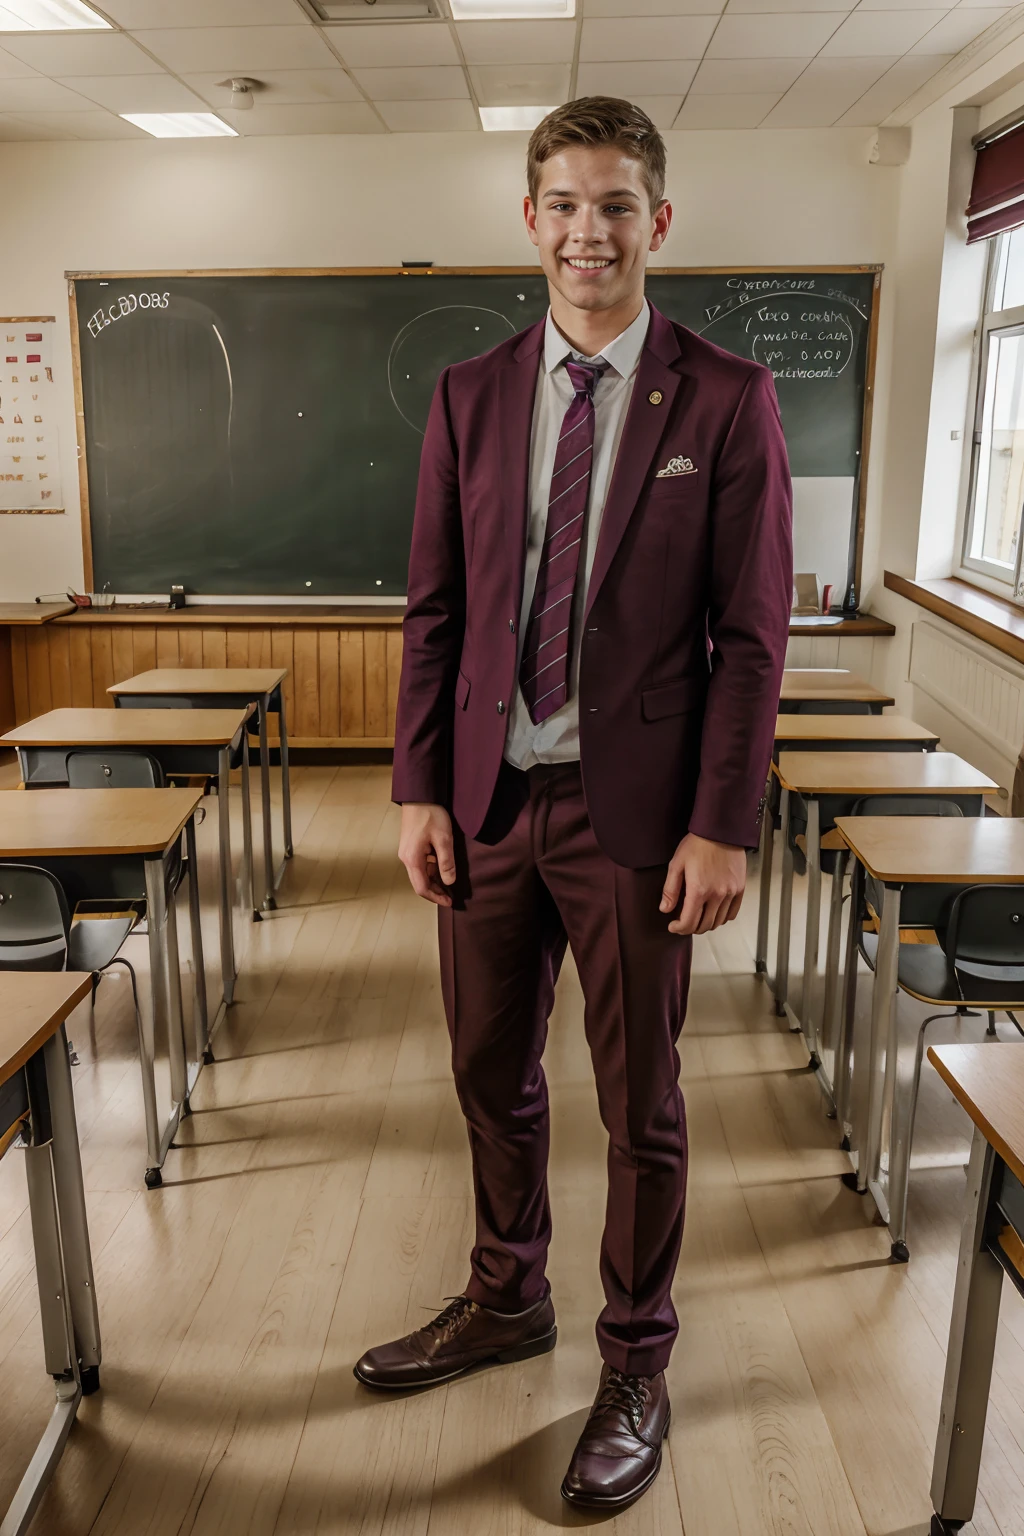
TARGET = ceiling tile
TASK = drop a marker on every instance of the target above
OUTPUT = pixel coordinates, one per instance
(282, 87)
(906, 5)
(646, 37)
(38, 95)
(905, 77)
(520, 85)
(746, 77)
(14, 128)
(889, 33)
(627, 8)
(81, 53)
(442, 83)
(656, 77)
(12, 68)
(237, 50)
(396, 42)
(134, 14)
(662, 110)
(517, 42)
(829, 87)
(756, 7)
(138, 93)
(784, 36)
(85, 125)
(739, 111)
(958, 28)
(324, 117)
(429, 116)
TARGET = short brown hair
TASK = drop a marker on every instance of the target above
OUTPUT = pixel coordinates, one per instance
(599, 120)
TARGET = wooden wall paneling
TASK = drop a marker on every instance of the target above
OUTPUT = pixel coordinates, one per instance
(215, 647)
(375, 667)
(350, 671)
(394, 665)
(122, 652)
(101, 638)
(237, 646)
(282, 654)
(143, 647)
(259, 648)
(19, 675)
(80, 652)
(58, 643)
(190, 645)
(329, 662)
(8, 714)
(166, 646)
(39, 694)
(304, 713)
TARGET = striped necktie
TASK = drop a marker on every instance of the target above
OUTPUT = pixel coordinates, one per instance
(544, 669)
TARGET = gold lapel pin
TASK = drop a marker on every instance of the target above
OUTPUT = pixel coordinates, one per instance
(655, 397)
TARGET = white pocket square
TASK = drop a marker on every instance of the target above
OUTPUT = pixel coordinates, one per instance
(677, 466)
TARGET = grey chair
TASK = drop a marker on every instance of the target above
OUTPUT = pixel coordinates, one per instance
(106, 768)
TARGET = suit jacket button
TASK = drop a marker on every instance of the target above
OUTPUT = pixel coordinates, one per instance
(501, 707)
(512, 626)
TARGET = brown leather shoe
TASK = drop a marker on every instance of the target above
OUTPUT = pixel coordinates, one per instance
(618, 1455)
(462, 1336)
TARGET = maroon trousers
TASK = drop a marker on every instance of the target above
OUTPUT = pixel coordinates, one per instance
(542, 882)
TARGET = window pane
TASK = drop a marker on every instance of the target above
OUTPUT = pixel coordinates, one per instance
(1010, 292)
(999, 487)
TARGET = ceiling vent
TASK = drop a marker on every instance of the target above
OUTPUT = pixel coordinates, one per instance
(336, 13)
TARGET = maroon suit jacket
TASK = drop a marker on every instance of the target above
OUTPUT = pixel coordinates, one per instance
(671, 738)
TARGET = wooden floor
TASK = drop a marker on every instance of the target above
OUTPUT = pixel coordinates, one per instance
(321, 1202)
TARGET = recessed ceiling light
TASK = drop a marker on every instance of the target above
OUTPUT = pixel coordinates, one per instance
(47, 16)
(503, 119)
(512, 10)
(180, 125)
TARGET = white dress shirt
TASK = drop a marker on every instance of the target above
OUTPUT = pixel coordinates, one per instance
(557, 739)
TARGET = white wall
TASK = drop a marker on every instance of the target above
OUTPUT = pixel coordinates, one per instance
(754, 198)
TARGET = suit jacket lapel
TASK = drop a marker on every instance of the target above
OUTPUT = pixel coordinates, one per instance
(646, 424)
(517, 389)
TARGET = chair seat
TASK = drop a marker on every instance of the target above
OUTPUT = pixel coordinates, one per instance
(94, 941)
(925, 972)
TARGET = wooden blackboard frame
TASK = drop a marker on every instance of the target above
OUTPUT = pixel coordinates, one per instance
(426, 272)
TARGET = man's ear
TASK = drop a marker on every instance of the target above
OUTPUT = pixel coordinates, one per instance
(530, 215)
(662, 224)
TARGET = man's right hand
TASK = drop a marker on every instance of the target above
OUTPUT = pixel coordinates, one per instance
(427, 850)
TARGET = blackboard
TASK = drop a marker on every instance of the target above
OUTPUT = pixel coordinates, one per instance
(260, 433)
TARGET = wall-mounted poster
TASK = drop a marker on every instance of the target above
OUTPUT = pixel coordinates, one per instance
(29, 461)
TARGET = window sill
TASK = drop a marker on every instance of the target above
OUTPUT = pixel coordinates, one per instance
(995, 620)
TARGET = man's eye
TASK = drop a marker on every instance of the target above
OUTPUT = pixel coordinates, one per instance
(617, 208)
(562, 208)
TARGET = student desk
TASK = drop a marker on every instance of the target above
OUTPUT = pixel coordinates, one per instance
(831, 783)
(823, 685)
(36, 1100)
(227, 688)
(193, 741)
(988, 1080)
(904, 851)
(823, 733)
(104, 843)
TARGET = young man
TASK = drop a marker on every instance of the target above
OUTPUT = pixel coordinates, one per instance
(599, 597)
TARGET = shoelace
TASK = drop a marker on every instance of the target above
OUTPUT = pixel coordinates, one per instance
(629, 1393)
(448, 1322)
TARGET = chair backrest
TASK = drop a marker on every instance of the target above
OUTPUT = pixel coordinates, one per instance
(100, 768)
(986, 926)
(905, 805)
(833, 707)
(34, 919)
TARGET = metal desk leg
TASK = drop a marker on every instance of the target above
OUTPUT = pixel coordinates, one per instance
(248, 880)
(74, 1225)
(969, 1356)
(148, 1015)
(848, 1012)
(829, 1019)
(202, 1015)
(269, 902)
(764, 901)
(781, 987)
(177, 1045)
(811, 932)
(286, 788)
(158, 917)
(227, 943)
(883, 1003)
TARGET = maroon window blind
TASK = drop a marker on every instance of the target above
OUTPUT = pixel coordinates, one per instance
(997, 191)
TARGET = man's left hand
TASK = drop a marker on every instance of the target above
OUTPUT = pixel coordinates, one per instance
(710, 878)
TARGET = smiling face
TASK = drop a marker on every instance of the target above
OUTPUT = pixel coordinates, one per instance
(594, 227)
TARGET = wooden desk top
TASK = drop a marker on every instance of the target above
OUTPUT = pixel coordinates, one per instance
(33, 1006)
(60, 823)
(916, 850)
(129, 728)
(851, 728)
(254, 680)
(32, 613)
(868, 773)
(251, 615)
(820, 683)
(989, 1082)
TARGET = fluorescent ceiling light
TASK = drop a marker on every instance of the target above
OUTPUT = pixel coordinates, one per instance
(512, 10)
(180, 125)
(502, 119)
(48, 16)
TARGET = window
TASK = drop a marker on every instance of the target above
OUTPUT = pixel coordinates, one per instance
(992, 543)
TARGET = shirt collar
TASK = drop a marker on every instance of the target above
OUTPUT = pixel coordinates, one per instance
(622, 354)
